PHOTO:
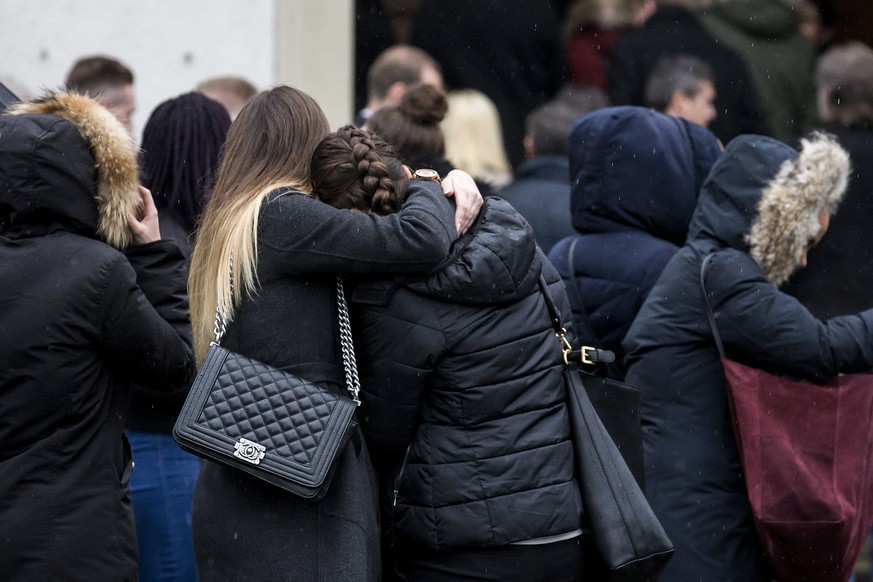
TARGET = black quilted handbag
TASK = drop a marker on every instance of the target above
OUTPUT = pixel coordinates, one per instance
(267, 422)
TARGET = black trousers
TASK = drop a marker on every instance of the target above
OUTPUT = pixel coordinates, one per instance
(556, 562)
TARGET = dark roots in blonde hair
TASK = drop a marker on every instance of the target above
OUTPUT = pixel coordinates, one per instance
(355, 170)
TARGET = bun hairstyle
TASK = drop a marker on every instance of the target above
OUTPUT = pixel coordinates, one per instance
(424, 105)
(413, 127)
(355, 170)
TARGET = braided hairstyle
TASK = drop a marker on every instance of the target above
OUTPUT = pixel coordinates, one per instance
(355, 170)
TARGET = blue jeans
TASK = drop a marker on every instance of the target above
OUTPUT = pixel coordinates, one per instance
(162, 491)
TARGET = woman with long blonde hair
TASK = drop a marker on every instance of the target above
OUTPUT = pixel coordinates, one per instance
(279, 297)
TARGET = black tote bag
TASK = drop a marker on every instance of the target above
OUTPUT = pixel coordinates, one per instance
(630, 541)
(617, 403)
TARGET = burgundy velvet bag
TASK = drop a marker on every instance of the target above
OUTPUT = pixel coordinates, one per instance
(807, 455)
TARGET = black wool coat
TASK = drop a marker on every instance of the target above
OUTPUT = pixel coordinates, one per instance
(80, 321)
(463, 402)
(694, 478)
(248, 529)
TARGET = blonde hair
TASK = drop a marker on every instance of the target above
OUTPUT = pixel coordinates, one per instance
(474, 137)
(268, 147)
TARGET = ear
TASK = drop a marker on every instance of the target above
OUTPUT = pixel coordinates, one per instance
(529, 149)
(677, 105)
(395, 94)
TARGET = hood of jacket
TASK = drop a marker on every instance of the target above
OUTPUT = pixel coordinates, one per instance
(764, 197)
(764, 19)
(66, 164)
(495, 262)
(632, 168)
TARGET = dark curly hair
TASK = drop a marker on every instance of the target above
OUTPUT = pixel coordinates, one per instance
(353, 169)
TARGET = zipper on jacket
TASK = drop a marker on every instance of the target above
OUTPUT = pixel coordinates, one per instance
(400, 474)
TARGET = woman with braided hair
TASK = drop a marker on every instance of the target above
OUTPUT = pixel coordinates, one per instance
(468, 431)
(287, 248)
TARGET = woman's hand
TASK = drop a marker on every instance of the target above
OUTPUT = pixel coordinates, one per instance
(468, 200)
(146, 229)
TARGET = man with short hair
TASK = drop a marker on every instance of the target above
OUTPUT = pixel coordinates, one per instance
(682, 86)
(541, 190)
(395, 70)
(109, 82)
(676, 28)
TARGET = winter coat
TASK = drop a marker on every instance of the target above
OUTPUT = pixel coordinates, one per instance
(541, 193)
(463, 401)
(81, 319)
(757, 212)
(636, 175)
(766, 33)
(676, 30)
(246, 527)
(839, 275)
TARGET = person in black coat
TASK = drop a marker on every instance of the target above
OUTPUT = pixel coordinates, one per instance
(281, 303)
(675, 29)
(762, 208)
(92, 301)
(462, 396)
(541, 188)
(839, 276)
(636, 175)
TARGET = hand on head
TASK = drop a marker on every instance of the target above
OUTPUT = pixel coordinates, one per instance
(468, 200)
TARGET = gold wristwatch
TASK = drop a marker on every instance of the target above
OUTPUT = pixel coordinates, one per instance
(427, 174)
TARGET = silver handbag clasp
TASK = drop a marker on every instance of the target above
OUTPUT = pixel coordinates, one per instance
(249, 451)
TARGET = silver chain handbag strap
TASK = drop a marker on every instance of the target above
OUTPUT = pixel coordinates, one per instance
(353, 384)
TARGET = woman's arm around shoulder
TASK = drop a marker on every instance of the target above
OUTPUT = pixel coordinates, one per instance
(310, 236)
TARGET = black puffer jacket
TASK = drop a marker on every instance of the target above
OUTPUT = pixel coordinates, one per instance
(463, 397)
(80, 321)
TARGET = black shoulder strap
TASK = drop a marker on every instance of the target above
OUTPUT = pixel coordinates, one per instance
(709, 314)
(587, 354)
(585, 323)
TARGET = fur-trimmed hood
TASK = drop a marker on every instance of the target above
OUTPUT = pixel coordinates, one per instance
(764, 197)
(67, 164)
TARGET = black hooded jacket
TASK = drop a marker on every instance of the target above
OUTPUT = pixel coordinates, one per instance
(463, 401)
(694, 478)
(80, 321)
(636, 175)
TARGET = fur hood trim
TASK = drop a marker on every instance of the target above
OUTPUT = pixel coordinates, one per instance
(790, 205)
(114, 154)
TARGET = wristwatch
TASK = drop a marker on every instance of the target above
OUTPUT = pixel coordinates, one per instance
(427, 174)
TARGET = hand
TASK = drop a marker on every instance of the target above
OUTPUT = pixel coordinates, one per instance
(468, 200)
(147, 229)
